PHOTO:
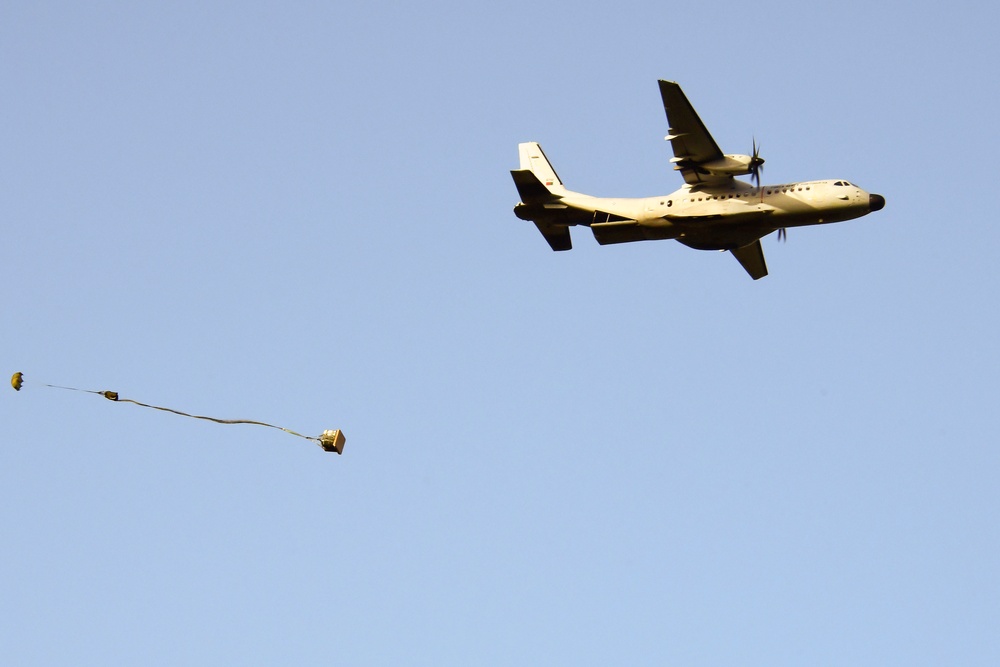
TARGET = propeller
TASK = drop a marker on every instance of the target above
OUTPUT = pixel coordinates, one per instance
(757, 166)
(756, 163)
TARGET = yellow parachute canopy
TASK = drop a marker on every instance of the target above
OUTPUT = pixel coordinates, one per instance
(329, 440)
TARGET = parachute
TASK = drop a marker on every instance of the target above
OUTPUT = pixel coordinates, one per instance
(330, 440)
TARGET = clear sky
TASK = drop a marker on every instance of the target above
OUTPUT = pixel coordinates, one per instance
(300, 212)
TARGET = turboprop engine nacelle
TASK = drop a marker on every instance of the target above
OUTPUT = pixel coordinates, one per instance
(730, 165)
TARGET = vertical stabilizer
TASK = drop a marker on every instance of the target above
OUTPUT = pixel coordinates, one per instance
(533, 158)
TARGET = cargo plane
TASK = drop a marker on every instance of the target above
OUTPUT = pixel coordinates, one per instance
(712, 211)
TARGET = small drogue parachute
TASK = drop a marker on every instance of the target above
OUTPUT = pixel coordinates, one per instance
(330, 441)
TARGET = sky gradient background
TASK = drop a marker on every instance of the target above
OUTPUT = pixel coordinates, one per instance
(300, 213)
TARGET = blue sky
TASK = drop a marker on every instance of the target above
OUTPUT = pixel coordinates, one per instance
(301, 213)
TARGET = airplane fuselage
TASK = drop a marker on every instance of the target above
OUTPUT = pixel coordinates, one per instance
(716, 218)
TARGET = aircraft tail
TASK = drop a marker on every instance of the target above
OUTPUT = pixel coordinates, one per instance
(540, 190)
(533, 159)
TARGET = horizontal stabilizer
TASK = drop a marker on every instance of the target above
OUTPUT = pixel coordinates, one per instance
(752, 258)
(532, 190)
(557, 235)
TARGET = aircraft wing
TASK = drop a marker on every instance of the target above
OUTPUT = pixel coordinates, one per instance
(690, 139)
(751, 257)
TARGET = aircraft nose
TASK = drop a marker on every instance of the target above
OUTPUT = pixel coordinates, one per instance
(876, 202)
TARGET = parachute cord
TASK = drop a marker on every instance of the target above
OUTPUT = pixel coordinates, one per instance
(86, 391)
(18, 380)
(113, 396)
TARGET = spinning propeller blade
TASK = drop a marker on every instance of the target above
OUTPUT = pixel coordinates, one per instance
(756, 163)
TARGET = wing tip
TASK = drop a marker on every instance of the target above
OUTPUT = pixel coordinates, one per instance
(751, 258)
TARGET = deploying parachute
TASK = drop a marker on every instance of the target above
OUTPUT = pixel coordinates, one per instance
(330, 441)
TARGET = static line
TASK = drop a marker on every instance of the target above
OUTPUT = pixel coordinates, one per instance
(329, 440)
